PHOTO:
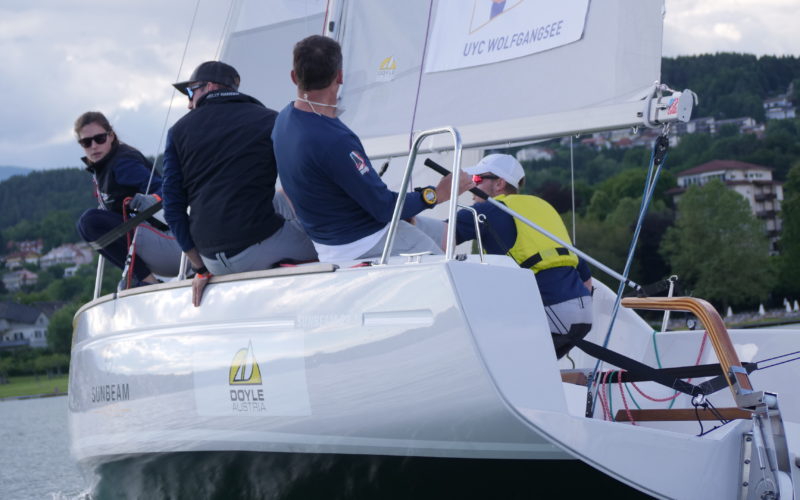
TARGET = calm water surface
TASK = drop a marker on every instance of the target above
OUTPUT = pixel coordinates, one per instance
(34, 451)
(35, 464)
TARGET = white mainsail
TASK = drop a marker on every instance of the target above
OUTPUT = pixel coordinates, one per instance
(260, 44)
(596, 82)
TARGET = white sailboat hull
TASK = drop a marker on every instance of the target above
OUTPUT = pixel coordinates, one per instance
(436, 359)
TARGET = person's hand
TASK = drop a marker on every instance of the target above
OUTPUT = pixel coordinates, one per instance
(141, 202)
(443, 188)
(199, 283)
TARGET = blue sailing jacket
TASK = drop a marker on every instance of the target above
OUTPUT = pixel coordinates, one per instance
(329, 179)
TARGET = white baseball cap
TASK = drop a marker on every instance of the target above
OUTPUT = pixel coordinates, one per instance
(504, 166)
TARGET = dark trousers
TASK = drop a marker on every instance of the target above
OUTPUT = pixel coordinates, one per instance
(96, 222)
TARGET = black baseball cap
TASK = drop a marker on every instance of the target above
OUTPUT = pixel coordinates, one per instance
(211, 71)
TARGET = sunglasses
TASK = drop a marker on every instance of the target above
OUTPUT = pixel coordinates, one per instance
(99, 139)
(191, 89)
(477, 179)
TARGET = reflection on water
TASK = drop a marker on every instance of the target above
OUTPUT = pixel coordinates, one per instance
(35, 464)
(243, 475)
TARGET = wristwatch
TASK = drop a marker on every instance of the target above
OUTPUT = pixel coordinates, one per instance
(201, 270)
(429, 195)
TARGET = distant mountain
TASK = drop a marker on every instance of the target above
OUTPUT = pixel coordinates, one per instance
(6, 172)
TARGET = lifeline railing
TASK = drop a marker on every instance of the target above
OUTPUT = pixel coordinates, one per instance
(450, 248)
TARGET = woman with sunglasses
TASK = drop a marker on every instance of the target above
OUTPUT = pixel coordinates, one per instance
(123, 181)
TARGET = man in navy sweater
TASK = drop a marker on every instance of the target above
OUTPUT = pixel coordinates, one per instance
(219, 161)
(338, 196)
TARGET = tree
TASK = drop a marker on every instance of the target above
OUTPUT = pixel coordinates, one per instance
(718, 248)
(789, 275)
(59, 332)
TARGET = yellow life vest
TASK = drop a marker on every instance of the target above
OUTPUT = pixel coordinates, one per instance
(532, 249)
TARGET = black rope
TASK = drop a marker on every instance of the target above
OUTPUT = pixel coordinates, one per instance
(497, 238)
(778, 357)
(707, 405)
(776, 364)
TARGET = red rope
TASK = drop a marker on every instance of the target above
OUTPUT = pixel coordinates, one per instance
(129, 277)
(670, 398)
(604, 396)
(624, 400)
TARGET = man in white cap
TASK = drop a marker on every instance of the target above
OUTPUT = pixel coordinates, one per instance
(564, 280)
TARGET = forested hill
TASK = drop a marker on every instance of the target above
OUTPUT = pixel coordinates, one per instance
(732, 85)
(44, 203)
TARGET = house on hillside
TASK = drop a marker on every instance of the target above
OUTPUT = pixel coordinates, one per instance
(704, 125)
(780, 107)
(754, 182)
(25, 246)
(535, 153)
(22, 326)
(15, 280)
(74, 254)
(17, 259)
(744, 124)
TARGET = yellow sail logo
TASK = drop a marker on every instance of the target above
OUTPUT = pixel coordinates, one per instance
(244, 368)
(388, 64)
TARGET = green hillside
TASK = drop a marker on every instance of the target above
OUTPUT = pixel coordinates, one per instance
(732, 85)
(44, 204)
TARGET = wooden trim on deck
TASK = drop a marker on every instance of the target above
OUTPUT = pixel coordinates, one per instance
(713, 324)
(682, 414)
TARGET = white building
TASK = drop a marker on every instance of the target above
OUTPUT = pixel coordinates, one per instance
(69, 253)
(22, 326)
(535, 153)
(15, 280)
(779, 108)
(754, 182)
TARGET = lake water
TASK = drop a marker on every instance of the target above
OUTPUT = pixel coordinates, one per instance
(35, 464)
(34, 451)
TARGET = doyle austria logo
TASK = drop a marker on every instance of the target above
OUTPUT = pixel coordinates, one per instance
(244, 377)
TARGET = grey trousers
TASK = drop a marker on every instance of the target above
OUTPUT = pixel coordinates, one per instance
(563, 315)
(290, 242)
(408, 239)
(159, 250)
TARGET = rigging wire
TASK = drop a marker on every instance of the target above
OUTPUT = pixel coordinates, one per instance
(421, 69)
(778, 357)
(572, 184)
(419, 81)
(225, 27)
(129, 260)
(657, 159)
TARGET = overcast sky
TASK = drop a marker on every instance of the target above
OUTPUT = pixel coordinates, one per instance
(59, 58)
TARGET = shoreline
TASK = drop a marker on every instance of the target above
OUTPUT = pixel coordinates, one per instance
(34, 396)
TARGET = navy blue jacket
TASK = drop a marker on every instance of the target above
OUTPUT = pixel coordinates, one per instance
(498, 235)
(219, 161)
(122, 173)
(326, 173)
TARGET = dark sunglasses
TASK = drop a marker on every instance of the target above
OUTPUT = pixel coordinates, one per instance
(99, 139)
(191, 89)
(477, 179)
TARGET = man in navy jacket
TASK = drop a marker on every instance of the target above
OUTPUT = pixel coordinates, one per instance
(219, 161)
(340, 199)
